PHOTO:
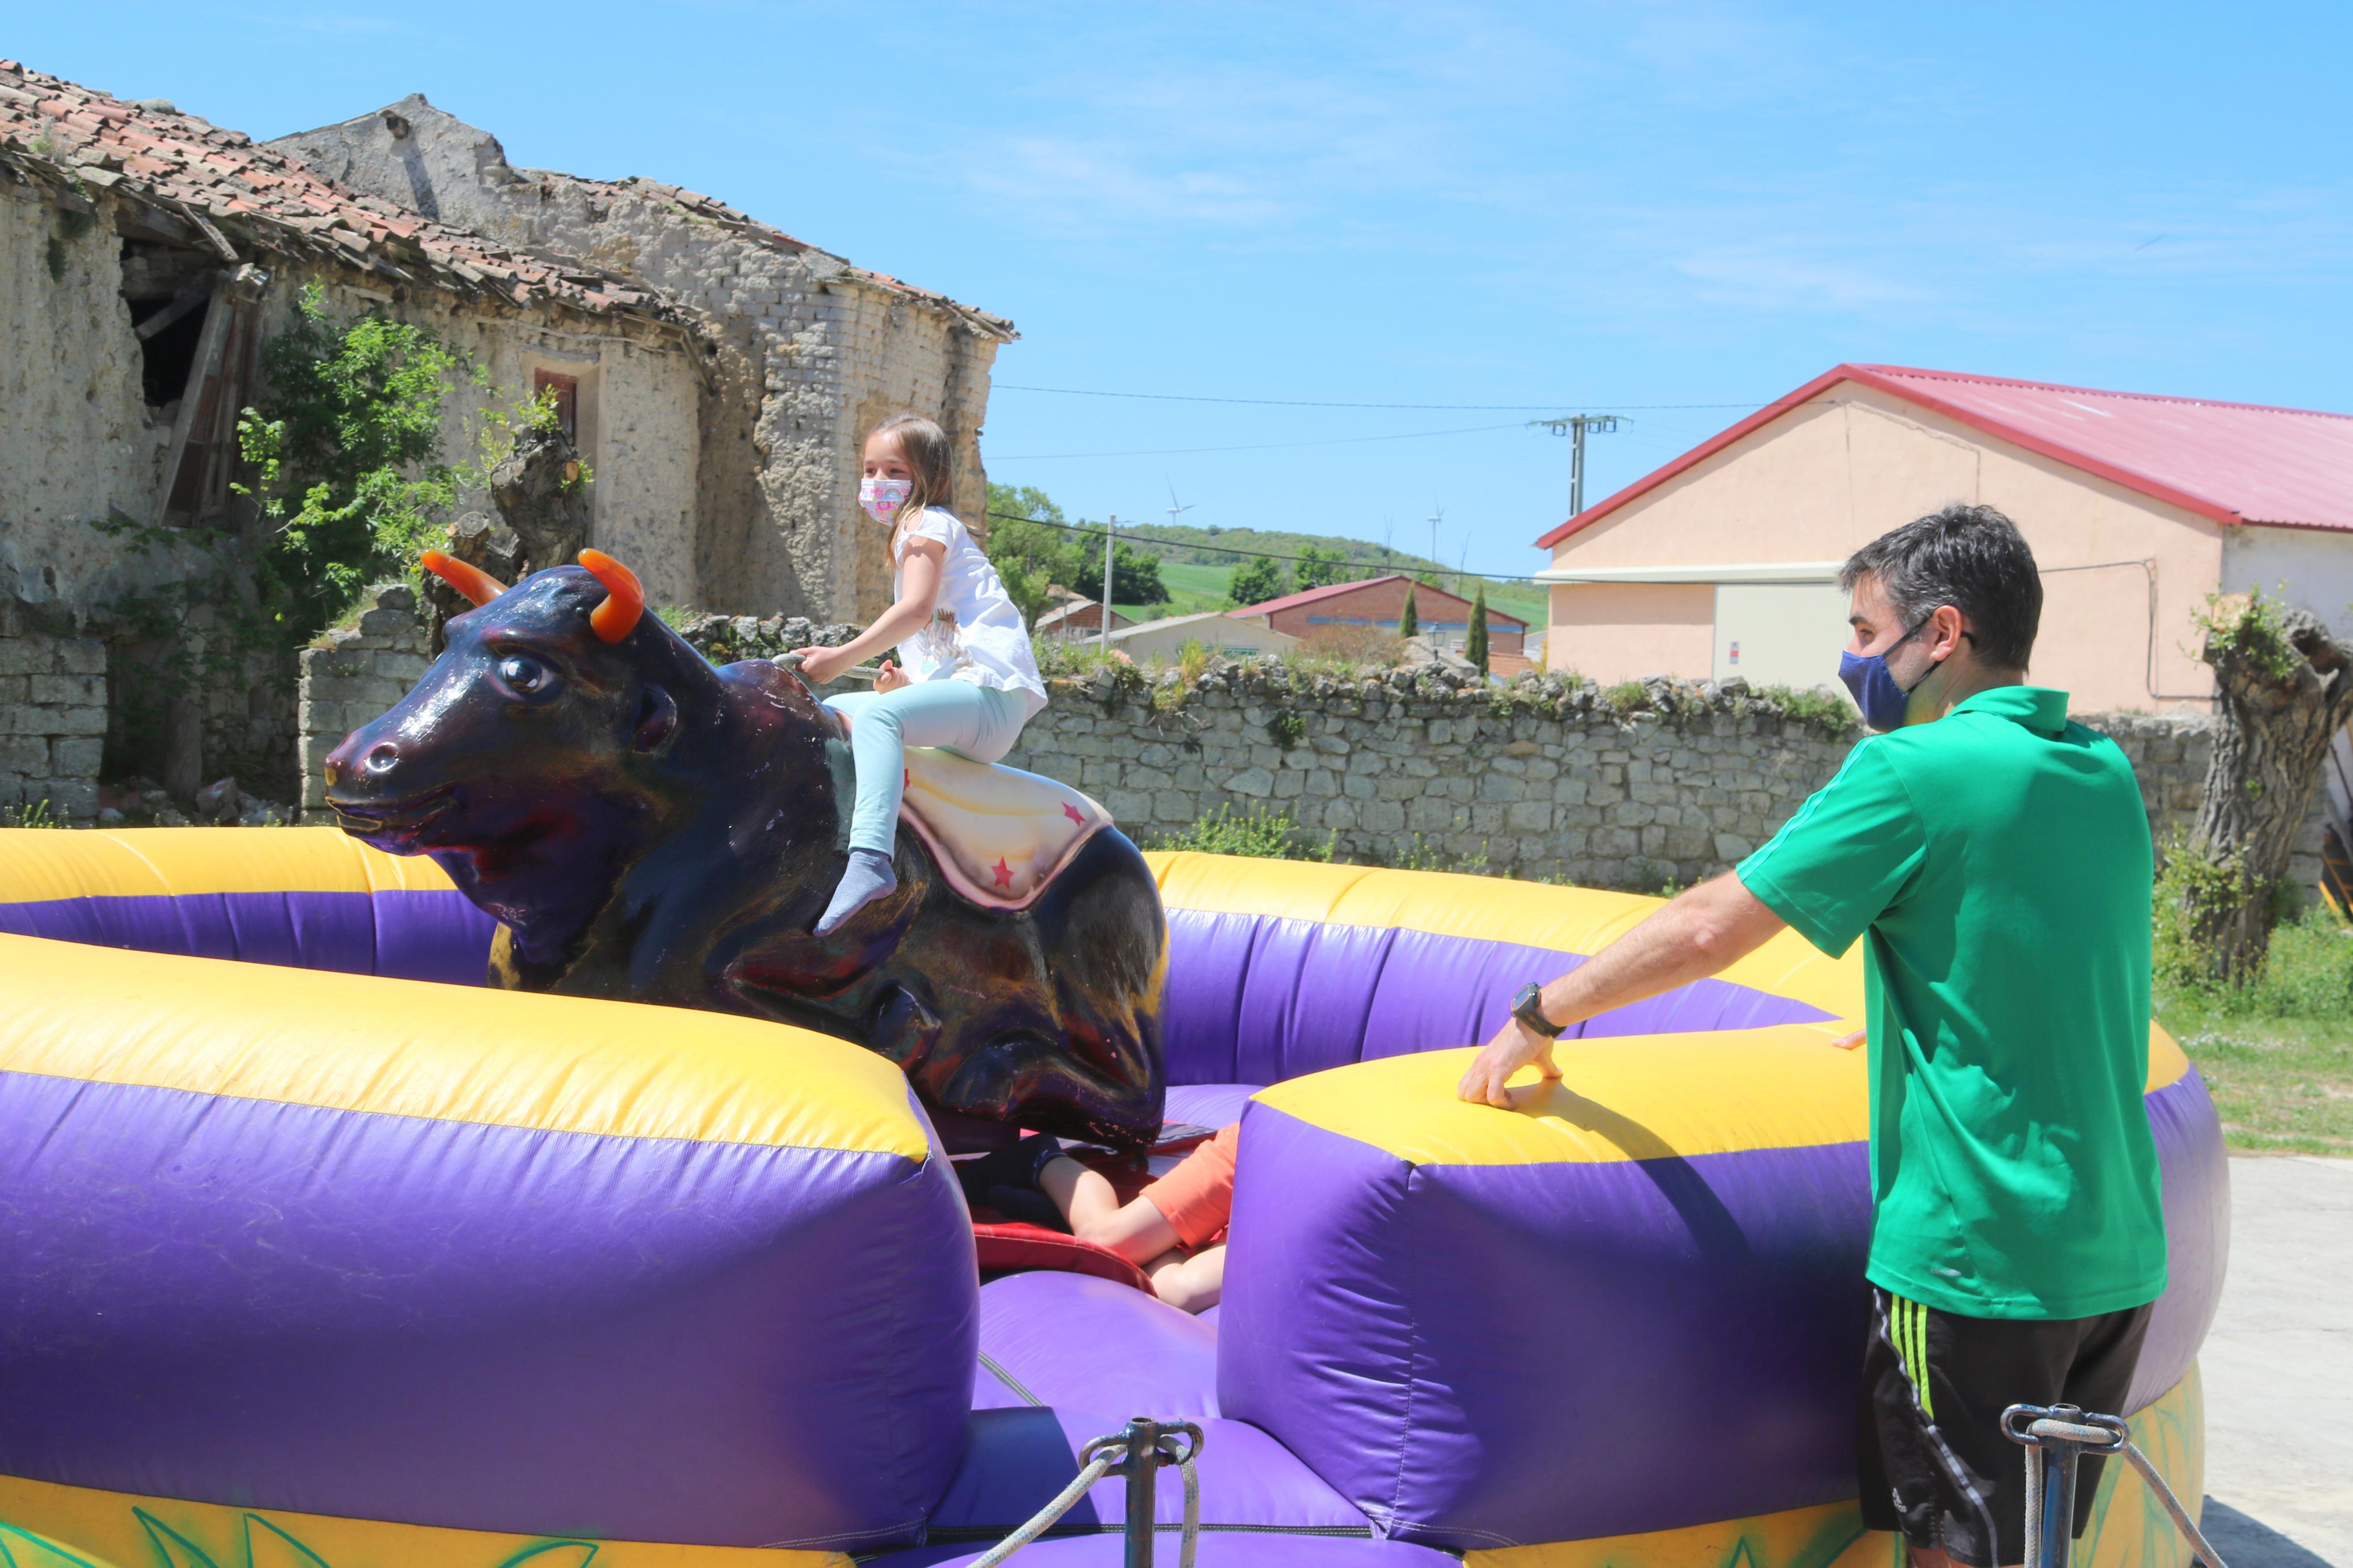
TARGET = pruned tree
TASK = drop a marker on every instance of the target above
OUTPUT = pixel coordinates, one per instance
(2284, 686)
(540, 486)
(1409, 624)
(1474, 646)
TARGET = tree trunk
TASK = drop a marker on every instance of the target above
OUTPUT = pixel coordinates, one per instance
(2286, 687)
(538, 491)
(479, 542)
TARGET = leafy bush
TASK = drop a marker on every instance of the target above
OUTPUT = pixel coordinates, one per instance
(1256, 581)
(1261, 832)
(347, 442)
(1375, 646)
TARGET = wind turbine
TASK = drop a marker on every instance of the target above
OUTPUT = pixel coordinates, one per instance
(1174, 510)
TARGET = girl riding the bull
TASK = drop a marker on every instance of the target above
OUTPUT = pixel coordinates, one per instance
(966, 678)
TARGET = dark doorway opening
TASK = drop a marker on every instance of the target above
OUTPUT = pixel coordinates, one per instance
(165, 359)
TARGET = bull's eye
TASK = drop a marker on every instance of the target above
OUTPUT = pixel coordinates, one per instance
(527, 675)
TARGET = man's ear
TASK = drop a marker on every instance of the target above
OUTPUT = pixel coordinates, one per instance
(1948, 627)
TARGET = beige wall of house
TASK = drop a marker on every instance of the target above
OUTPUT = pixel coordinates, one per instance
(1812, 485)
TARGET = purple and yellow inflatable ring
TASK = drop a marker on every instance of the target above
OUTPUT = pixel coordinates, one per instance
(320, 1254)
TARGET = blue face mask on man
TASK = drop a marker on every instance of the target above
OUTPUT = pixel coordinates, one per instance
(1883, 701)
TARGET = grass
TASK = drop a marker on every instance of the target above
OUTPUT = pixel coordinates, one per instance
(1195, 586)
(2278, 1052)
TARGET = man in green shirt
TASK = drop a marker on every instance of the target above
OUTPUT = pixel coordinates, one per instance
(1995, 859)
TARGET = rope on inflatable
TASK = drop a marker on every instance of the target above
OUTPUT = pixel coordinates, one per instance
(2048, 1434)
(1096, 1469)
(1141, 1441)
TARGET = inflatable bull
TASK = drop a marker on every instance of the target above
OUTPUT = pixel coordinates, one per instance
(646, 828)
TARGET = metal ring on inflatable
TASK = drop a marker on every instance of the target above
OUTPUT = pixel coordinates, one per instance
(319, 1254)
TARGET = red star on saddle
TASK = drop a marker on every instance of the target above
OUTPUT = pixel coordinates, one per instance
(1072, 813)
(1004, 873)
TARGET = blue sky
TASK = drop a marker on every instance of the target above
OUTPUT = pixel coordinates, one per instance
(1627, 207)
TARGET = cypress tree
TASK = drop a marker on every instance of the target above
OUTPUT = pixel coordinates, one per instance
(1474, 648)
(1409, 624)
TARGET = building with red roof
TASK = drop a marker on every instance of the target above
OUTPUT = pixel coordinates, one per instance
(1379, 602)
(1724, 562)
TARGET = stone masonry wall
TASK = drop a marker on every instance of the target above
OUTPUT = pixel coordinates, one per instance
(52, 717)
(1396, 769)
(357, 675)
(1556, 785)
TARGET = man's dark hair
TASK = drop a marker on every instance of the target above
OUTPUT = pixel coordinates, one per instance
(1970, 557)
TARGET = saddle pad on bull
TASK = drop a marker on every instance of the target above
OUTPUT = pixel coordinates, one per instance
(998, 834)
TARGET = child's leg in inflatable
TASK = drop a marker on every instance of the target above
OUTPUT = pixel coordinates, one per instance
(980, 722)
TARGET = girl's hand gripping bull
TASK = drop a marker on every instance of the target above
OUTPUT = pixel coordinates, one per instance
(648, 828)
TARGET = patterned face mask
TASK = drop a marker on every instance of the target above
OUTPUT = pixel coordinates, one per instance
(883, 498)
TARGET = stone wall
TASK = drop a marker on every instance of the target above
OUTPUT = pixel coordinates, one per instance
(1556, 783)
(52, 715)
(1544, 778)
(354, 675)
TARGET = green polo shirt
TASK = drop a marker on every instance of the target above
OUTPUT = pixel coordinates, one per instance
(1998, 862)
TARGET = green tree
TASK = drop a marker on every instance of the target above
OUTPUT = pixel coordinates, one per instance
(1319, 567)
(1474, 647)
(1135, 577)
(1256, 581)
(1031, 550)
(1409, 624)
(347, 443)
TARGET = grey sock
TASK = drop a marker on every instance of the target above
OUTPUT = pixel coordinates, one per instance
(867, 877)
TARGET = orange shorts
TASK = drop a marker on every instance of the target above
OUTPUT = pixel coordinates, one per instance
(1196, 1198)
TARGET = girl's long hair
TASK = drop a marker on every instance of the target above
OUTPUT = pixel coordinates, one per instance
(930, 465)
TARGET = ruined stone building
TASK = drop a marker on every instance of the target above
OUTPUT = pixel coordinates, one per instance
(802, 351)
(716, 375)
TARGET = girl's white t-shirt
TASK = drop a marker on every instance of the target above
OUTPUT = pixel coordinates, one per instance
(975, 633)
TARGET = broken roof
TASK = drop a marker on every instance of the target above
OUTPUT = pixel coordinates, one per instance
(712, 210)
(693, 205)
(221, 189)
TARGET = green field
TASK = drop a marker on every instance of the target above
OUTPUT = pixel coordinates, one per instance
(2278, 1053)
(1197, 582)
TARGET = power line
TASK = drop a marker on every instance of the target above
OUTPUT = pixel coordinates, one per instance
(1309, 402)
(1263, 447)
(1096, 531)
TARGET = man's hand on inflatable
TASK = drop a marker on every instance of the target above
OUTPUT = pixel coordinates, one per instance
(1514, 1047)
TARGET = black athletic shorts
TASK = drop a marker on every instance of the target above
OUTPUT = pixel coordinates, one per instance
(1932, 1458)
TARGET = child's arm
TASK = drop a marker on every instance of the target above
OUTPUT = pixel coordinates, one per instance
(919, 595)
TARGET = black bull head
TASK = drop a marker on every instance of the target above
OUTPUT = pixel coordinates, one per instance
(646, 828)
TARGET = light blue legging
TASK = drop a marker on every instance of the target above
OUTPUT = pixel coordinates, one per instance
(979, 721)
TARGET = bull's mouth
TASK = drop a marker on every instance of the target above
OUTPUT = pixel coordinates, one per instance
(387, 822)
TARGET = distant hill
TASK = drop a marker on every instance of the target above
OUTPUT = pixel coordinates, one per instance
(1213, 547)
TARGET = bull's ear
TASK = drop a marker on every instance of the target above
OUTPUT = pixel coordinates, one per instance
(625, 596)
(657, 719)
(467, 579)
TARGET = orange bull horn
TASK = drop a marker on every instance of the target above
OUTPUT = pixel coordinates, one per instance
(471, 581)
(625, 596)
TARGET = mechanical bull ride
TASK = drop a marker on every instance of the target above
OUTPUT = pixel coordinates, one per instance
(646, 828)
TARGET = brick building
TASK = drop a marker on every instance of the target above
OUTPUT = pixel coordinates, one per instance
(1379, 602)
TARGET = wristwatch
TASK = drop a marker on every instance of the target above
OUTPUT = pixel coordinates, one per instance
(1531, 1017)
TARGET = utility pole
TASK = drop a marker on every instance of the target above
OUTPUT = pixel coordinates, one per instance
(1574, 427)
(1102, 611)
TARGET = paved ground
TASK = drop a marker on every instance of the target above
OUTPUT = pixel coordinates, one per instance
(2279, 1370)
